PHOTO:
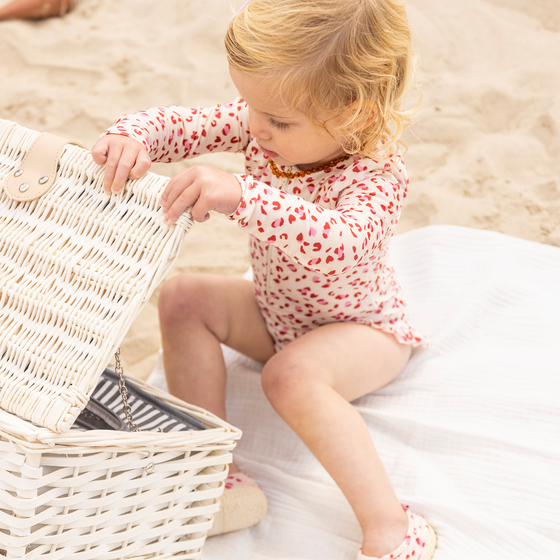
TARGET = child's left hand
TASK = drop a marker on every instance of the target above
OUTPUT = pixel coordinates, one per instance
(204, 188)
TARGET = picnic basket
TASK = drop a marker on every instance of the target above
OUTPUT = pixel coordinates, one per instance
(76, 266)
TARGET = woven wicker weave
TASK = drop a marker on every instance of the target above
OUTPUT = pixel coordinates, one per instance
(76, 265)
(112, 495)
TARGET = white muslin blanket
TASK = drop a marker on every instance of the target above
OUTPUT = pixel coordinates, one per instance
(469, 432)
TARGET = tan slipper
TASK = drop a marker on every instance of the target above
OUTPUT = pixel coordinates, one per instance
(242, 504)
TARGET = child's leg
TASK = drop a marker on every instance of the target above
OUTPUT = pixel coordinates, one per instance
(310, 384)
(198, 312)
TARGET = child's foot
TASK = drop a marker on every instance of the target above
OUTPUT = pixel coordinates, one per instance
(419, 543)
(35, 9)
(242, 504)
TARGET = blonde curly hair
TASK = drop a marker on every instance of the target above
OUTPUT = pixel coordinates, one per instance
(351, 59)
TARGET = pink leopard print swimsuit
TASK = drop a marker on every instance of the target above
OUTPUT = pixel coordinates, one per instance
(319, 243)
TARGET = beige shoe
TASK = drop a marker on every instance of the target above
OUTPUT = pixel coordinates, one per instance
(242, 504)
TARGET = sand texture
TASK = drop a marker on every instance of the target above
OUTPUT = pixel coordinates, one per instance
(483, 152)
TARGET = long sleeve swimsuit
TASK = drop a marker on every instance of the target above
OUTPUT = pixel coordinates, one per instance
(318, 243)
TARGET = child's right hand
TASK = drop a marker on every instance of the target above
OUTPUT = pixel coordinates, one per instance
(123, 157)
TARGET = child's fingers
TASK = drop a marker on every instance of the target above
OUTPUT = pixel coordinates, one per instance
(174, 189)
(167, 191)
(201, 210)
(191, 197)
(120, 169)
(99, 151)
(123, 158)
(182, 195)
(142, 165)
(113, 157)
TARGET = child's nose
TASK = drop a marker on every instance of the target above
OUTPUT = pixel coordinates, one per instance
(258, 128)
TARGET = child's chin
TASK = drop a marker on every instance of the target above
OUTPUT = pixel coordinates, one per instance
(279, 160)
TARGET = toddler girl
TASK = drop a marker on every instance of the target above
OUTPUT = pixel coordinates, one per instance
(321, 83)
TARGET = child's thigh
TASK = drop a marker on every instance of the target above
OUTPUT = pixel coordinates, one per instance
(352, 358)
(223, 305)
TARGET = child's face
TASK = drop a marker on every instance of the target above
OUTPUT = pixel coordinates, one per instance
(285, 135)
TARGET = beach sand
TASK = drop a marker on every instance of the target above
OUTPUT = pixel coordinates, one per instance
(483, 152)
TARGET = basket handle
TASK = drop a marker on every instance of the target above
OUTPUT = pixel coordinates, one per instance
(35, 175)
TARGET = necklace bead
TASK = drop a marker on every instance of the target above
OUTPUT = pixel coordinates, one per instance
(303, 173)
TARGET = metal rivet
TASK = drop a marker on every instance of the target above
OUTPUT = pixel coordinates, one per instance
(23, 187)
(149, 467)
(43, 180)
(18, 173)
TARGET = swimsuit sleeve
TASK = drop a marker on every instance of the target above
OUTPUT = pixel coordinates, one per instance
(175, 133)
(331, 241)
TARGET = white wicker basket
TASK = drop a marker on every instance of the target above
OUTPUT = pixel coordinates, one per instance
(75, 268)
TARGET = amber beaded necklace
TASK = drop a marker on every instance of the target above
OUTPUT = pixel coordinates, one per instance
(303, 173)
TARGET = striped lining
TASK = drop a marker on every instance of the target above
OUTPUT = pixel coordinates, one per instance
(148, 412)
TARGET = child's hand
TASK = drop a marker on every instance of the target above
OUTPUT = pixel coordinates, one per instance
(124, 158)
(204, 188)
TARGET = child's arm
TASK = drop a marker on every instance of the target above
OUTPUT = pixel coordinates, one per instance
(166, 134)
(325, 240)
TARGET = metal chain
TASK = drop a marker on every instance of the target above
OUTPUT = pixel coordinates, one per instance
(124, 393)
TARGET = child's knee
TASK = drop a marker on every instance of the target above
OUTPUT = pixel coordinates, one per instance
(285, 378)
(179, 297)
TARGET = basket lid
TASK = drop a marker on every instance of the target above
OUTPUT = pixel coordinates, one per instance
(76, 267)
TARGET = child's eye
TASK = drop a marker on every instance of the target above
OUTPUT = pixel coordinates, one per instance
(278, 124)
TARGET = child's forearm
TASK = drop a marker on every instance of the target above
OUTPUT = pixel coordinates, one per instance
(175, 133)
(331, 241)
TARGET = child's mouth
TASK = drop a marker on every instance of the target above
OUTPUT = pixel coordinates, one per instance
(268, 153)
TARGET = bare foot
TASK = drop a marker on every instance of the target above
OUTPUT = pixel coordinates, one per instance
(35, 9)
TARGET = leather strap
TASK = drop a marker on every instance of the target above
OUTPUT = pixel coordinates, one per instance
(37, 172)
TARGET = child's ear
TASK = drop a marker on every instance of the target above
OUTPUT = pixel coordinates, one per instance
(366, 115)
